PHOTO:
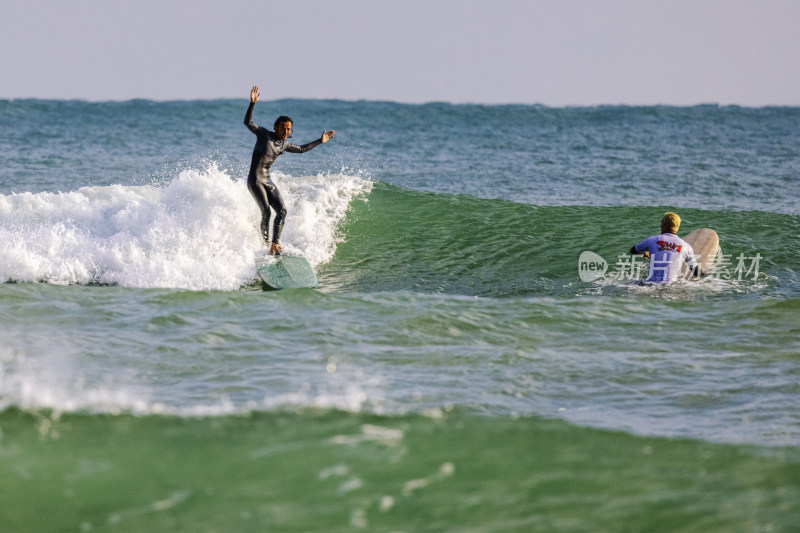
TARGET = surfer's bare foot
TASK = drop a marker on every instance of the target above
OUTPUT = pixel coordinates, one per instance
(275, 249)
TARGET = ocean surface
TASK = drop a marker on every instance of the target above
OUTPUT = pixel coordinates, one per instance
(458, 368)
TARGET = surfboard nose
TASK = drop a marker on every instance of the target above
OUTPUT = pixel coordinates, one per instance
(287, 272)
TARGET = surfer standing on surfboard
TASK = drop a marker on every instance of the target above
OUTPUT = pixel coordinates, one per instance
(667, 252)
(269, 145)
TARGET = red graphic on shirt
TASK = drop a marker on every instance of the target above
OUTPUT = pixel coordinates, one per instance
(669, 246)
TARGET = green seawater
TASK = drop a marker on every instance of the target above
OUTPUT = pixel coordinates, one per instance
(399, 239)
(332, 471)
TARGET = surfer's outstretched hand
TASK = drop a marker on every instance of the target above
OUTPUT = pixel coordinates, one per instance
(254, 94)
(326, 136)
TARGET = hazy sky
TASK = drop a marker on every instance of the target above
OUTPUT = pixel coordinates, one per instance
(553, 52)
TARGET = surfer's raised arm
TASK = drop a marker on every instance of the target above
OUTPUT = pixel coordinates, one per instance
(248, 117)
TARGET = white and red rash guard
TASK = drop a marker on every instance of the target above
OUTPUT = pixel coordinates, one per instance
(668, 252)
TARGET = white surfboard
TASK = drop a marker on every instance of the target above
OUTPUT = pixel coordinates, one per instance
(705, 243)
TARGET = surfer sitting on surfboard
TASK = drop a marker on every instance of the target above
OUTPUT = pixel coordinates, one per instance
(269, 145)
(667, 252)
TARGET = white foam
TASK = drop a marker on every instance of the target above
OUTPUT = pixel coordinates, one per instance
(55, 372)
(62, 379)
(198, 232)
(54, 381)
(316, 207)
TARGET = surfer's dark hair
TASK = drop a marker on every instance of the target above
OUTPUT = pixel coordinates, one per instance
(280, 120)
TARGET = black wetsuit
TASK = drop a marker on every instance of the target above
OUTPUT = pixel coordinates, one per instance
(268, 147)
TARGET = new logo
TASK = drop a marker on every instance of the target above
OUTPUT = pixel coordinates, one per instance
(591, 266)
